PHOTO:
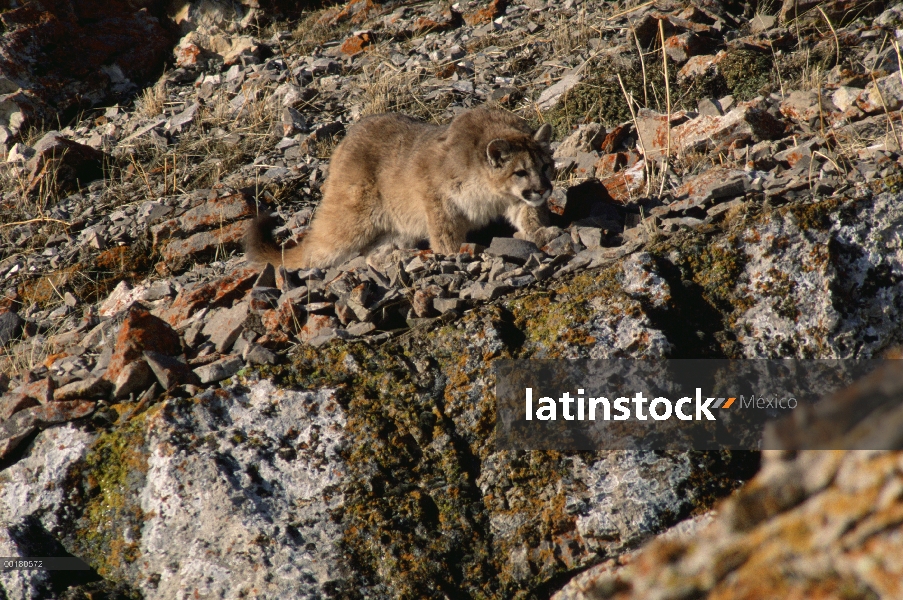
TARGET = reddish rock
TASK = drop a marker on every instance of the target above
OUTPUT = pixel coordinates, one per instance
(356, 43)
(472, 250)
(744, 124)
(811, 524)
(344, 313)
(610, 164)
(215, 212)
(10, 302)
(424, 24)
(285, 319)
(232, 288)
(807, 106)
(14, 402)
(316, 326)
(794, 155)
(50, 360)
(178, 253)
(680, 48)
(274, 340)
(220, 293)
(698, 65)
(361, 294)
(356, 11)
(422, 304)
(484, 15)
(653, 131)
(626, 185)
(614, 138)
(263, 298)
(41, 391)
(140, 332)
(187, 54)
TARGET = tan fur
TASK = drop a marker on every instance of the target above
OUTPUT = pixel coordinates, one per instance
(397, 180)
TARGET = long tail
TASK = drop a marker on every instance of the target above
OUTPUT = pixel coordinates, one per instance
(261, 247)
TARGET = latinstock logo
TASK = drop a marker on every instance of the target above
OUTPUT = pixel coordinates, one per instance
(623, 408)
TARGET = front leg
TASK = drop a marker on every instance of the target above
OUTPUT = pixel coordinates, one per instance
(527, 220)
(447, 230)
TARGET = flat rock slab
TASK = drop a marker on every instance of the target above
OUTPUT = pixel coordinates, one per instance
(226, 325)
(513, 249)
(714, 184)
(220, 369)
(489, 290)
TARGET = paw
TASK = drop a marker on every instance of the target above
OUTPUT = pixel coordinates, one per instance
(541, 236)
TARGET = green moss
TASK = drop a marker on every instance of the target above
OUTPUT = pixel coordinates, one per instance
(107, 533)
(747, 73)
(562, 316)
(414, 517)
(715, 265)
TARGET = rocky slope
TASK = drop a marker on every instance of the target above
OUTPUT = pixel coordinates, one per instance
(192, 427)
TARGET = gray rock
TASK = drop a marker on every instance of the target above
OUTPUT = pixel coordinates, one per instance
(489, 290)
(761, 23)
(91, 388)
(10, 327)
(587, 138)
(221, 369)
(445, 304)
(591, 237)
(267, 277)
(563, 245)
(225, 325)
(709, 107)
(134, 378)
(180, 121)
(512, 249)
(256, 354)
(549, 97)
(170, 371)
(25, 422)
(360, 328)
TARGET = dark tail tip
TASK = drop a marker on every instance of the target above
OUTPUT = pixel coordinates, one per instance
(259, 243)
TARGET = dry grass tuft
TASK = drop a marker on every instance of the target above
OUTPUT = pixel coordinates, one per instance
(152, 100)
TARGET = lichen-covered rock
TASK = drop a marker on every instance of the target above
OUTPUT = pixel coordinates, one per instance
(811, 524)
(257, 470)
(33, 494)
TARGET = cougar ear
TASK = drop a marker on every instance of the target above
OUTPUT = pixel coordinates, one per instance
(543, 135)
(498, 152)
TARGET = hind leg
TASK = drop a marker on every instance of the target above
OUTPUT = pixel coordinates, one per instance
(342, 226)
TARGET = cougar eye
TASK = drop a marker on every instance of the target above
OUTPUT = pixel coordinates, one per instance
(521, 173)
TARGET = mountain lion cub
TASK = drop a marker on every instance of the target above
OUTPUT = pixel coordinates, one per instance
(397, 180)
